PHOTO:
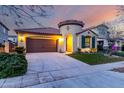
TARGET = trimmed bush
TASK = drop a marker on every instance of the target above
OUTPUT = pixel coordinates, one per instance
(119, 53)
(2, 45)
(12, 65)
(79, 50)
(20, 50)
(3, 56)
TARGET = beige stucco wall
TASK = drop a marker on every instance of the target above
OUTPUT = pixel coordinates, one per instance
(6, 47)
(23, 36)
(70, 29)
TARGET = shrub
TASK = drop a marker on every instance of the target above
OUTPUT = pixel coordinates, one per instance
(3, 56)
(20, 50)
(93, 50)
(2, 45)
(12, 65)
(79, 50)
(119, 53)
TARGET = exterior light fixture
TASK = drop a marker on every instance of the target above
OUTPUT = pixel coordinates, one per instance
(61, 39)
(21, 38)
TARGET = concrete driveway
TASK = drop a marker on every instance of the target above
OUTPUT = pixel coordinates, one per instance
(59, 70)
(49, 62)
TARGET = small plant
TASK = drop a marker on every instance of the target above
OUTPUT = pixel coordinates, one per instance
(20, 50)
(79, 50)
(118, 53)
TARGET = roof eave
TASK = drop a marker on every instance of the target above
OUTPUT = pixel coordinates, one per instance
(37, 32)
(85, 31)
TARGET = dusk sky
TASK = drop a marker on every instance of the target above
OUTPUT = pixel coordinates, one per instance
(89, 14)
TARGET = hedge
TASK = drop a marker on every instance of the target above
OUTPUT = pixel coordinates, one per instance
(12, 65)
(119, 53)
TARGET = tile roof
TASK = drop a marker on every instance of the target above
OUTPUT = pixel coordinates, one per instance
(67, 22)
(92, 27)
(48, 30)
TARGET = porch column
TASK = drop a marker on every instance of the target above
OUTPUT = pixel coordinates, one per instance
(64, 44)
(74, 39)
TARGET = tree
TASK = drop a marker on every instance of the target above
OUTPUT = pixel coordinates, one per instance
(116, 27)
(120, 10)
(20, 13)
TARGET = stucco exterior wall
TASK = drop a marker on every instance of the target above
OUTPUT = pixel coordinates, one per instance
(6, 47)
(70, 29)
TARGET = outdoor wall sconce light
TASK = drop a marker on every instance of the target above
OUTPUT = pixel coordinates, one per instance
(21, 38)
(61, 39)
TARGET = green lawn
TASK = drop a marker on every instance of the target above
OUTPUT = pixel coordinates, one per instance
(94, 59)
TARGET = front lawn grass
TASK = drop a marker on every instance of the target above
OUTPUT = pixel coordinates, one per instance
(96, 58)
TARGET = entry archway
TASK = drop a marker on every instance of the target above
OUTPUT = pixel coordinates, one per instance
(69, 43)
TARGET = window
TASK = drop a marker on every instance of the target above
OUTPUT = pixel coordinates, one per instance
(4, 30)
(13, 39)
(68, 28)
(102, 30)
(87, 42)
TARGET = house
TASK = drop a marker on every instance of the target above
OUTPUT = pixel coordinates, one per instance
(103, 35)
(3, 33)
(3, 37)
(12, 37)
(68, 38)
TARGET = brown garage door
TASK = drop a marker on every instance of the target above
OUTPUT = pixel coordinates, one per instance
(41, 45)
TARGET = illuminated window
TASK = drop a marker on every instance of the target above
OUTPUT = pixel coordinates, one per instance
(87, 42)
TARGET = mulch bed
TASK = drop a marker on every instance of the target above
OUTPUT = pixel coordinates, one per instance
(120, 69)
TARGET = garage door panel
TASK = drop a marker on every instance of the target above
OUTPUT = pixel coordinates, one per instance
(41, 45)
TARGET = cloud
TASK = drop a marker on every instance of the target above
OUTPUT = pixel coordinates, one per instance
(91, 15)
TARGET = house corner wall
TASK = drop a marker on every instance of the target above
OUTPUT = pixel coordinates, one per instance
(7, 47)
(21, 40)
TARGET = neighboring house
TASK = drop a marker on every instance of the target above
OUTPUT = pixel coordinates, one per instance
(68, 38)
(103, 35)
(13, 39)
(12, 36)
(3, 33)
